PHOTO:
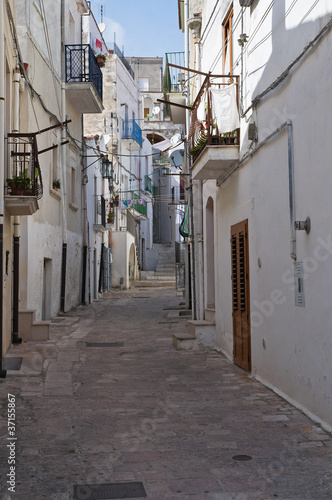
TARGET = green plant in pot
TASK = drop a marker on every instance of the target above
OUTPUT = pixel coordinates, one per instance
(56, 184)
(101, 59)
(110, 216)
(19, 184)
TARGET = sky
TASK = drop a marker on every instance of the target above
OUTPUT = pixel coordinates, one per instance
(146, 28)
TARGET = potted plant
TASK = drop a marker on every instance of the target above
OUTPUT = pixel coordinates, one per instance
(116, 198)
(56, 184)
(101, 58)
(201, 143)
(110, 216)
(19, 184)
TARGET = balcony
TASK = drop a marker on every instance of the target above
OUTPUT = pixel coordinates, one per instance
(84, 79)
(100, 214)
(132, 135)
(214, 135)
(174, 87)
(24, 185)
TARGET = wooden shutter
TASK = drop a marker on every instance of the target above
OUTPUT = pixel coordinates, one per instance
(240, 295)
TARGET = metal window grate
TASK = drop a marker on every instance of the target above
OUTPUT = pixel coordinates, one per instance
(109, 491)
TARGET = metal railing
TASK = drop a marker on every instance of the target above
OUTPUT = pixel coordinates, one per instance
(82, 66)
(23, 174)
(148, 183)
(174, 78)
(142, 209)
(131, 130)
(205, 132)
(118, 52)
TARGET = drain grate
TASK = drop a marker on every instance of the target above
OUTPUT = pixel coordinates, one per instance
(242, 458)
(12, 363)
(111, 491)
(104, 344)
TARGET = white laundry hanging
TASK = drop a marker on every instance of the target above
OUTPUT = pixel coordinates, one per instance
(201, 110)
(224, 108)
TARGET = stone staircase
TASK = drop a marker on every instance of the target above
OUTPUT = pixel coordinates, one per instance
(164, 275)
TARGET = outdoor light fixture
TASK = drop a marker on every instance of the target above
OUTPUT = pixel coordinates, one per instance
(107, 168)
(242, 40)
(301, 225)
(246, 3)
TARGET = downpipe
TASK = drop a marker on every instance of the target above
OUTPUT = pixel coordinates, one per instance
(3, 372)
(16, 240)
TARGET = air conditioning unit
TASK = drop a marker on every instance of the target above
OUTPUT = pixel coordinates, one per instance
(246, 3)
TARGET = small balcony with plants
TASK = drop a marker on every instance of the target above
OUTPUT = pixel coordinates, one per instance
(84, 78)
(214, 135)
(24, 182)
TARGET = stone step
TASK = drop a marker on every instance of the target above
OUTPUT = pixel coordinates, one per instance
(29, 329)
(184, 341)
(154, 283)
(204, 331)
(209, 314)
(161, 277)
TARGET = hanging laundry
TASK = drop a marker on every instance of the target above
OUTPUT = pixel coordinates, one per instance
(224, 107)
(201, 110)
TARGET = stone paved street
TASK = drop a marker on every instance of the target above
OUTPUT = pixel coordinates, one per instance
(138, 410)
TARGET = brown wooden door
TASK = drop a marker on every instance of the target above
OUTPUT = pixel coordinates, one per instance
(240, 293)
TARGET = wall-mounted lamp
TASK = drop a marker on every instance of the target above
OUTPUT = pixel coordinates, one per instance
(303, 225)
(243, 39)
(107, 168)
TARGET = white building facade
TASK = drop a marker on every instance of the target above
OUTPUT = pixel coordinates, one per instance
(60, 80)
(258, 185)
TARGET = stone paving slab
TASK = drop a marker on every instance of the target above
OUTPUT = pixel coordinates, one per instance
(181, 422)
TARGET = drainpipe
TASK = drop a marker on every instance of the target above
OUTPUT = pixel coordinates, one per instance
(63, 162)
(2, 172)
(16, 246)
(191, 201)
(85, 238)
(199, 230)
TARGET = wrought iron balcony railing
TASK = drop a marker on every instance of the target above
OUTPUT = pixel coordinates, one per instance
(204, 129)
(174, 78)
(23, 174)
(131, 130)
(124, 60)
(82, 67)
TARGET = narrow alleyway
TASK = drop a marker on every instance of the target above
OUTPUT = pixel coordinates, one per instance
(108, 399)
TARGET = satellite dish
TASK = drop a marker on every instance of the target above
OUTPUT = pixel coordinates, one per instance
(102, 27)
(175, 139)
(156, 110)
(176, 158)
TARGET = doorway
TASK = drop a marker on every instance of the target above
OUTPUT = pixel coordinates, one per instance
(240, 295)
